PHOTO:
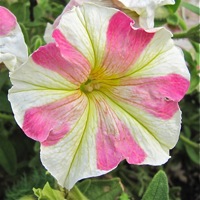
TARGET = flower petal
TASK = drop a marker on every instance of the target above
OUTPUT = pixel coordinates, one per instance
(159, 58)
(104, 131)
(114, 139)
(146, 9)
(83, 29)
(76, 69)
(11, 40)
(72, 3)
(127, 110)
(153, 86)
(38, 83)
(123, 47)
(84, 152)
(51, 122)
(74, 157)
(7, 22)
(129, 137)
(153, 102)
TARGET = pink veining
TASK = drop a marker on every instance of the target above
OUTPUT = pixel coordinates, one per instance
(7, 21)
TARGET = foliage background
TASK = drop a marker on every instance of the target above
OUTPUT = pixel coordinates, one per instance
(20, 167)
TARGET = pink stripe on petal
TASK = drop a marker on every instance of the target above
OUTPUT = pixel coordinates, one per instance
(107, 155)
(114, 142)
(50, 123)
(49, 57)
(158, 96)
(71, 54)
(7, 21)
(124, 44)
(111, 149)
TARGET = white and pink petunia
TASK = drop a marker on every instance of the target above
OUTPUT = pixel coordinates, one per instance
(13, 50)
(103, 92)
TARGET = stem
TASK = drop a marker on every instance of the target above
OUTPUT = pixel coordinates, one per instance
(182, 23)
(6, 117)
(180, 35)
(189, 142)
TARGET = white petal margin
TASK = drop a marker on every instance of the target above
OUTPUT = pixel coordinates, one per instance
(13, 49)
(74, 157)
(145, 9)
(48, 33)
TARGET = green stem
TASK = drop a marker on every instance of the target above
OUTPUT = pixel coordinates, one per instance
(180, 35)
(189, 142)
(182, 24)
(6, 117)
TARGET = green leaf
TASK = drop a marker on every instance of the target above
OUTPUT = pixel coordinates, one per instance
(173, 8)
(24, 183)
(47, 193)
(75, 194)
(194, 33)
(38, 42)
(187, 131)
(27, 197)
(194, 82)
(4, 3)
(25, 34)
(84, 185)
(197, 56)
(158, 188)
(193, 154)
(101, 189)
(173, 20)
(124, 196)
(4, 103)
(159, 22)
(191, 7)
(21, 11)
(8, 159)
(189, 59)
(196, 46)
(3, 78)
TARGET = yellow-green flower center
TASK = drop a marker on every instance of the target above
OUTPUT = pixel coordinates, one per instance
(89, 86)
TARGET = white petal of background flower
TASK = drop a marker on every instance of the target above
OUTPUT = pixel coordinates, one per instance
(13, 49)
(145, 9)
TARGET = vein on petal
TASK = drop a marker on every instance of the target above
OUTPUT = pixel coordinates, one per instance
(131, 115)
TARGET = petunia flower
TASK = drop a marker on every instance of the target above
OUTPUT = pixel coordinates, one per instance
(144, 10)
(103, 92)
(13, 50)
